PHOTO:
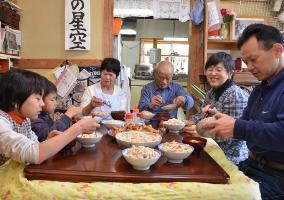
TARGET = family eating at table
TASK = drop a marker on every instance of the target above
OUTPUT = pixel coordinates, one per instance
(248, 128)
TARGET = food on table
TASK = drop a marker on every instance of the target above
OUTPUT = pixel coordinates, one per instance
(176, 147)
(142, 152)
(174, 121)
(100, 113)
(134, 127)
(139, 137)
(86, 135)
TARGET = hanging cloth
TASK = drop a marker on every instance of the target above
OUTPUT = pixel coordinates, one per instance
(197, 12)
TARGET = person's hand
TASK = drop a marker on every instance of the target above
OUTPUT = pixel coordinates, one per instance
(156, 101)
(208, 110)
(87, 125)
(96, 102)
(179, 101)
(191, 130)
(53, 134)
(222, 127)
(73, 111)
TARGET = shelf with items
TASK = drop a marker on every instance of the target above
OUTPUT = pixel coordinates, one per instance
(6, 62)
(222, 44)
(174, 51)
(10, 35)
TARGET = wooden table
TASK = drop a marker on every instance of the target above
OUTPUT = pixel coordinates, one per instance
(106, 163)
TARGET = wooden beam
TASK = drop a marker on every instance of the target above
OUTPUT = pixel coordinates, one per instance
(107, 28)
(52, 63)
(196, 58)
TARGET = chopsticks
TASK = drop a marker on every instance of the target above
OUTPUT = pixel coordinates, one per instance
(207, 113)
(107, 103)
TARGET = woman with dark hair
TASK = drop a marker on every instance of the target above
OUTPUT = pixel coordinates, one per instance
(21, 94)
(105, 95)
(226, 97)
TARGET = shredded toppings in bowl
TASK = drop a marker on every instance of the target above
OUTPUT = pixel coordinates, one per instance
(134, 127)
(100, 113)
(139, 137)
(174, 121)
(112, 121)
(176, 147)
(85, 135)
(142, 152)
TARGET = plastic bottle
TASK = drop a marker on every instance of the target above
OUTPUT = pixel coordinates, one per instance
(140, 119)
(128, 118)
(135, 112)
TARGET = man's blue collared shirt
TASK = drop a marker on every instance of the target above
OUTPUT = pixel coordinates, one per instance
(168, 94)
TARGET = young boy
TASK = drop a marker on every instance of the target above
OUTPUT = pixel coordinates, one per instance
(44, 124)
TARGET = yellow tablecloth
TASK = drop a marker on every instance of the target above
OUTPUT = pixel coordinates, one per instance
(13, 185)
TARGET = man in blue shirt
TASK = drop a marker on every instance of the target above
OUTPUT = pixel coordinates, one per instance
(262, 122)
(163, 91)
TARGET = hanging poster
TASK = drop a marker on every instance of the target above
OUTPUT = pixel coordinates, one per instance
(77, 24)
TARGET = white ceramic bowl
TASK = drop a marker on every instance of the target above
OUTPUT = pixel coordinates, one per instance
(129, 138)
(101, 114)
(169, 107)
(112, 123)
(172, 126)
(90, 141)
(176, 157)
(201, 131)
(147, 115)
(98, 119)
(140, 163)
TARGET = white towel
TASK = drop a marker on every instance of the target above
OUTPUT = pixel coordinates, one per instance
(123, 83)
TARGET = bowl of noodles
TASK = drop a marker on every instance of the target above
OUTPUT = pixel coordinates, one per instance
(89, 140)
(140, 157)
(175, 152)
(137, 138)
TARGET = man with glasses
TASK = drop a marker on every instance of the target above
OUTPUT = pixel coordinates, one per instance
(162, 91)
(262, 122)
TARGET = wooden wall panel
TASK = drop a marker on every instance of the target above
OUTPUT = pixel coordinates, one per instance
(51, 63)
(107, 28)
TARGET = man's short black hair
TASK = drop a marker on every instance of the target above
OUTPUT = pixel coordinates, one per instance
(221, 57)
(265, 35)
(17, 85)
(111, 65)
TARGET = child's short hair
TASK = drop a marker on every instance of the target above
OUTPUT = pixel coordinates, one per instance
(17, 85)
(49, 87)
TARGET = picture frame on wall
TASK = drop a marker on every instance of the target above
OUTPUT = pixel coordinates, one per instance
(241, 22)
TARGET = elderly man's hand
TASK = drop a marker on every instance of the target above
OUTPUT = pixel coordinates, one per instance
(222, 127)
(179, 101)
(156, 101)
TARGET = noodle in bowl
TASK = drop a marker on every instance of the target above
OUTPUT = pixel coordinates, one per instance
(138, 138)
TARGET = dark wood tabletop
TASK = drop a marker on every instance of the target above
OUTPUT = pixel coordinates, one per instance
(106, 163)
